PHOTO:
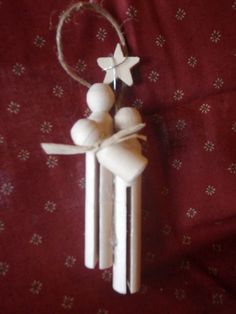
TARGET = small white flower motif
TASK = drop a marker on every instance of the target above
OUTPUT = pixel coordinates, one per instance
(39, 41)
(101, 34)
(232, 168)
(204, 108)
(217, 247)
(18, 69)
(132, 12)
(153, 76)
(165, 191)
(150, 257)
(2, 226)
(209, 146)
(58, 91)
(82, 183)
(210, 190)
(177, 164)
(138, 104)
(107, 275)
(185, 265)
(23, 155)
(218, 83)
(192, 61)
(4, 267)
(180, 294)
(52, 161)
(166, 230)
(180, 14)
(80, 66)
(217, 298)
(36, 287)
(178, 95)
(213, 271)
(234, 127)
(186, 240)
(70, 261)
(215, 36)
(36, 239)
(86, 112)
(102, 311)
(67, 302)
(180, 125)
(46, 127)
(160, 41)
(6, 188)
(191, 212)
(1, 139)
(234, 5)
(50, 206)
(13, 107)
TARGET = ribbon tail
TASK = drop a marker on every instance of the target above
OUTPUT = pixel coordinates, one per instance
(123, 134)
(63, 149)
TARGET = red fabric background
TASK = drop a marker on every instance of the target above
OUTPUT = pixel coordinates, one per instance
(185, 88)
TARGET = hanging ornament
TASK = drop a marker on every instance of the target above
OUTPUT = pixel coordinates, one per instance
(113, 194)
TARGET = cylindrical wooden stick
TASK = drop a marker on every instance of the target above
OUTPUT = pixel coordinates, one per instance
(120, 233)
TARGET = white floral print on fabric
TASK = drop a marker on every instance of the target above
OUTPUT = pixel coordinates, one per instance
(218, 83)
(101, 34)
(191, 212)
(50, 206)
(180, 294)
(160, 41)
(138, 103)
(178, 95)
(58, 91)
(52, 161)
(210, 190)
(192, 61)
(180, 125)
(232, 168)
(13, 107)
(36, 287)
(67, 302)
(215, 36)
(186, 240)
(23, 155)
(36, 239)
(80, 66)
(153, 76)
(2, 226)
(132, 12)
(1, 139)
(180, 14)
(217, 298)
(18, 69)
(107, 275)
(234, 127)
(70, 261)
(166, 230)
(234, 5)
(177, 164)
(209, 146)
(46, 127)
(6, 188)
(4, 268)
(205, 108)
(39, 41)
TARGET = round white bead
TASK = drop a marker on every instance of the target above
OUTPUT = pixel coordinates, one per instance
(127, 117)
(100, 97)
(85, 132)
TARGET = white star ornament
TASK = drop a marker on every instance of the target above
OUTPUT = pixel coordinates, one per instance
(118, 67)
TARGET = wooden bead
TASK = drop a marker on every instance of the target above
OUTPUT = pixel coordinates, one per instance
(100, 97)
(127, 117)
(85, 132)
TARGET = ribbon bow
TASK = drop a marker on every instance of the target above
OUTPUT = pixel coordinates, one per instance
(120, 136)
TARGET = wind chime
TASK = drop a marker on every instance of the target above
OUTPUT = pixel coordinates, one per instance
(114, 165)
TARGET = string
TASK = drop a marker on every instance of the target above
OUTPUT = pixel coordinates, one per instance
(92, 7)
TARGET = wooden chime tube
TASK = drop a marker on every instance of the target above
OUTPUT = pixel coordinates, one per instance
(120, 234)
(91, 211)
